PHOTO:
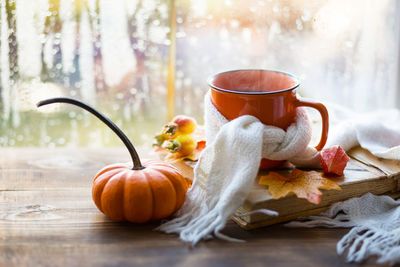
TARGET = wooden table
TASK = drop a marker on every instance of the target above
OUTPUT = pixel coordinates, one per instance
(47, 217)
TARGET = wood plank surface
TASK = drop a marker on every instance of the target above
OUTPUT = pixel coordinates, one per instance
(48, 218)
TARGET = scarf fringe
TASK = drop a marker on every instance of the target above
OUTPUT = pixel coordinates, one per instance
(196, 221)
(362, 242)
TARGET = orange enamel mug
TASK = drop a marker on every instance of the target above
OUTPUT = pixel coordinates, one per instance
(268, 95)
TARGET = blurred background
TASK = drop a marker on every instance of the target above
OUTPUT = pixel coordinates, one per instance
(141, 61)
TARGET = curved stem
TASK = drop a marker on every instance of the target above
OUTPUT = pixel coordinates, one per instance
(137, 165)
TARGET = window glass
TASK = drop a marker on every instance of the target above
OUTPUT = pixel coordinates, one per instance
(115, 55)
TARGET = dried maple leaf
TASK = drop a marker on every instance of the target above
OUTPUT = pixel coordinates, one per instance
(304, 184)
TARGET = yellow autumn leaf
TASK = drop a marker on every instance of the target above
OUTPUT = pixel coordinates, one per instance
(304, 184)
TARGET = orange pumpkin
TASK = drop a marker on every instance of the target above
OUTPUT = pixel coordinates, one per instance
(150, 191)
(153, 193)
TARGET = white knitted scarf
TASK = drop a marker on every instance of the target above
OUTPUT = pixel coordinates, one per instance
(228, 166)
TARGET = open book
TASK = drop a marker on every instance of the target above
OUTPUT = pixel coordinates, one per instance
(364, 173)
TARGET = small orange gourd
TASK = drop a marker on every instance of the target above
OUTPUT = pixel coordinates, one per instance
(140, 193)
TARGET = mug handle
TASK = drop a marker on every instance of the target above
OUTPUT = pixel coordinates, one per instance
(324, 115)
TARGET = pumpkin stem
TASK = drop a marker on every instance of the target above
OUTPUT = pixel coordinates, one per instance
(137, 165)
